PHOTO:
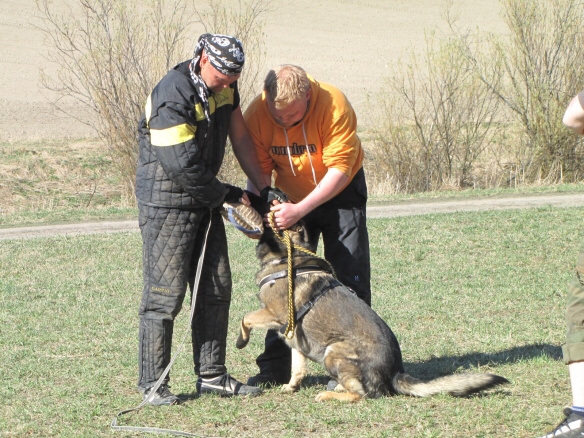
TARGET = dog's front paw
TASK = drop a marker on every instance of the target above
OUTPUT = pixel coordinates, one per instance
(289, 388)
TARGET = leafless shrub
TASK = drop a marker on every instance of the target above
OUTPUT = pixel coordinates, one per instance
(438, 118)
(487, 112)
(542, 60)
(111, 53)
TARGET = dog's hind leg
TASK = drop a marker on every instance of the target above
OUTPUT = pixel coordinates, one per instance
(354, 391)
(338, 363)
(261, 318)
(298, 371)
(353, 387)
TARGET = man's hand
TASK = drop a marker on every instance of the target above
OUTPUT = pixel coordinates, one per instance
(285, 215)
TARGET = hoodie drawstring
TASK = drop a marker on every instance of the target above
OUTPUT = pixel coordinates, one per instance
(307, 151)
(288, 150)
(309, 157)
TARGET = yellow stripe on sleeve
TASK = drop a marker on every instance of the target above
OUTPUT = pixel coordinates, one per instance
(172, 136)
(199, 112)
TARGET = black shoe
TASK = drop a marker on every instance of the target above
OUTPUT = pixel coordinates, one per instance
(268, 380)
(226, 386)
(162, 396)
(332, 385)
(572, 426)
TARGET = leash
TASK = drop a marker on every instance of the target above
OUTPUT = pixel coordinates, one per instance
(114, 423)
(284, 237)
(310, 304)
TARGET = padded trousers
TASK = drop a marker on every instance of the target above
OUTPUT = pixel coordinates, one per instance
(172, 241)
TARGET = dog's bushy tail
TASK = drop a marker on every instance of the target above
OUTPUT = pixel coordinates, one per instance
(458, 385)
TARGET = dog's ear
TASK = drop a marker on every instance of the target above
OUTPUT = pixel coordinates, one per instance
(302, 231)
(297, 227)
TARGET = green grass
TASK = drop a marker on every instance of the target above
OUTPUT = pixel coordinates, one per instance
(463, 292)
(527, 190)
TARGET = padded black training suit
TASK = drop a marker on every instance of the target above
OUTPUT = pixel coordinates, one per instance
(180, 153)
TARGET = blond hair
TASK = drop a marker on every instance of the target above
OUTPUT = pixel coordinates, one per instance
(285, 84)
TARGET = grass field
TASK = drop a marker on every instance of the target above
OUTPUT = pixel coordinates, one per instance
(464, 292)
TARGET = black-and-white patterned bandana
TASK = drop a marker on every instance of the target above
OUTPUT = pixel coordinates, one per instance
(225, 54)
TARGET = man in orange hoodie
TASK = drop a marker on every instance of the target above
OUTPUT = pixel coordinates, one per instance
(306, 140)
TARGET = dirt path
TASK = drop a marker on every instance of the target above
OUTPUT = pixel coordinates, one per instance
(373, 211)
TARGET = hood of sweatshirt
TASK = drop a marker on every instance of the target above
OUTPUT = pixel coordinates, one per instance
(314, 89)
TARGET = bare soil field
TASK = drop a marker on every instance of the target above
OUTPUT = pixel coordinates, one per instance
(350, 43)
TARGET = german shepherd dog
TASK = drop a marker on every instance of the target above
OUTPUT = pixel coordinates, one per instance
(336, 328)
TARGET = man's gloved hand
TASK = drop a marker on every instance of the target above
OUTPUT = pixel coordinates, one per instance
(233, 193)
(270, 194)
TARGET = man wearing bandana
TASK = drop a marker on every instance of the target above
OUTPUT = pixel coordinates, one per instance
(305, 132)
(182, 137)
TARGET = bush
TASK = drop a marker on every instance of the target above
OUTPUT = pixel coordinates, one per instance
(111, 53)
(438, 120)
(542, 60)
(484, 112)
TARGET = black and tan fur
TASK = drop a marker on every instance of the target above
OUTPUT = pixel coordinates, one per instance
(341, 332)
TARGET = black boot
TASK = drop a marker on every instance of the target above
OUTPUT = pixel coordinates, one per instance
(274, 363)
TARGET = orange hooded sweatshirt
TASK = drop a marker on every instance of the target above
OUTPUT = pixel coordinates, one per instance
(328, 130)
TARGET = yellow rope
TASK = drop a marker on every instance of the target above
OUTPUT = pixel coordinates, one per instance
(285, 238)
(289, 333)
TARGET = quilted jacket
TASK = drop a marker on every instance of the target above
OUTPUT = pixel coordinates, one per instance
(180, 152)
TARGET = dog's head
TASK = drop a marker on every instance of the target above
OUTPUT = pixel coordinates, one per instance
(271, 245)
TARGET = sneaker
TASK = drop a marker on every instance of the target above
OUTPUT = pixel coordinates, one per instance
(226, 386)
(268, 380)
(162, 397)
(572, 426)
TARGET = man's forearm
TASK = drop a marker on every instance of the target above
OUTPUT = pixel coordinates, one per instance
(244, 149)
(250, 186)
(250, 166)
(330, 186)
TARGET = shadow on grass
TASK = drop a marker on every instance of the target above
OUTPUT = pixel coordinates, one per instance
(438, 366)
(441, 366)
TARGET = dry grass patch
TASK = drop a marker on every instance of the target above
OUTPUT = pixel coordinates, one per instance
(60, 175)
